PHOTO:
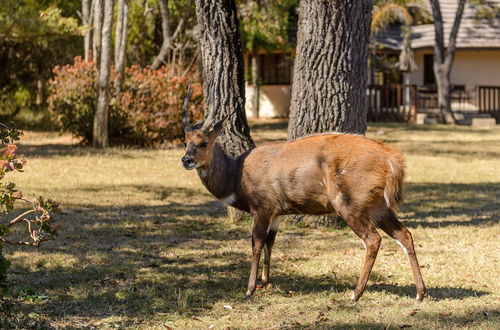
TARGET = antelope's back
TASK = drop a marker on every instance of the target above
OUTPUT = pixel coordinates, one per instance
(309, 174)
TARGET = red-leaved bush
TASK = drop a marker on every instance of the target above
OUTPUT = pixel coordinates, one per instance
(146, 112)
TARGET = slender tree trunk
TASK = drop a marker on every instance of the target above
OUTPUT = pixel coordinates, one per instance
(87, 7)
(100, 129)
(97, 30)
(165, 30)
(256, 85)
(443, 58)
(121, 40)
(330, 77)
(223, 75)
(223, 79)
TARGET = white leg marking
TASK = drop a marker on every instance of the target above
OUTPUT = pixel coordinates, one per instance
(229, 199)
(364, 244)
(275, 223)
(404, 249)
(419, 297)
(353, 296)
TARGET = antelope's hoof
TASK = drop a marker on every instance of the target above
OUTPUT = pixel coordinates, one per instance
(354, 297)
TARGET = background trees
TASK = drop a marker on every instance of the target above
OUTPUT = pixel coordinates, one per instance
(443, 58)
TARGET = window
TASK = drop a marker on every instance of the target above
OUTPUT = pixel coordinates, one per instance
(429, 78)
(275, 69)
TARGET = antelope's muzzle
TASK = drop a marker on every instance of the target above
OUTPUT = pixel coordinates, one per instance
(188, 163)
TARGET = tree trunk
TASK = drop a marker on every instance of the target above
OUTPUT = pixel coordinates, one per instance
(100, 129)
(97, 30)
(223, 79)
(256, 85)
(87, 39)
(160, 59)
(121, 41)
(329, 87)
(443, 58)
(223, 75)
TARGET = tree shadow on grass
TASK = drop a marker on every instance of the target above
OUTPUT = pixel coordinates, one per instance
(163, 259)
(430, 205)
(479, 318)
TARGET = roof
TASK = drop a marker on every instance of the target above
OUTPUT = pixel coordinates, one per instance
(473, 33)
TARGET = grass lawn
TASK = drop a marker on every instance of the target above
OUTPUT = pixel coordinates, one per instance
(144, 245)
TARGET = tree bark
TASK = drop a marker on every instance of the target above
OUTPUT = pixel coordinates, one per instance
(121, 41)
(330, 74)
(87, 7)
(223, 76)
(100, 137)
(256, 85)
(97, 30)
(443, 58)
(160, 59)
(223, 79)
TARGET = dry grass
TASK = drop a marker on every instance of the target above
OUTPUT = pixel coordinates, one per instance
(145, 246)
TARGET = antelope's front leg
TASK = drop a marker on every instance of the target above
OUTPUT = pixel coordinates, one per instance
(259, 236)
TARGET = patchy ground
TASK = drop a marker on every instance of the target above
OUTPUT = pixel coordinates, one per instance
(144, 245)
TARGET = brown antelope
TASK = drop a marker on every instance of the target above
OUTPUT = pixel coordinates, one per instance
(353, 176)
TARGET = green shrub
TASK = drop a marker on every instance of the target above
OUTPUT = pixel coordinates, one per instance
(72, 101)
(147, 112)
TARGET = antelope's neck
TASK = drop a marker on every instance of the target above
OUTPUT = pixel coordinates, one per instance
(221, 176)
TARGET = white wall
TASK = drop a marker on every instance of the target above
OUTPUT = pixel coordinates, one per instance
(470, 67)
(274, 100)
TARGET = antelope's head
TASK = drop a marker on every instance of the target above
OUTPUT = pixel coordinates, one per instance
(199, 139)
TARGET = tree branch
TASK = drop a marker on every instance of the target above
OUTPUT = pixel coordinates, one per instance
(450, 54)
(438, 30)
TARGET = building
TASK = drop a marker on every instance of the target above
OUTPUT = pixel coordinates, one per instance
(475, 76)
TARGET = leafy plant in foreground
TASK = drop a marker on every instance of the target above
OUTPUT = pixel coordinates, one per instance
(37, 219)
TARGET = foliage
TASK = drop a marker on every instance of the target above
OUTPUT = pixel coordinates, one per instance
(72, 100)
(144, 34)
(39, 226)
(146, 112)
(486, 9)
(265, 24)
(151, 101)
(407, 12)
(34, 36)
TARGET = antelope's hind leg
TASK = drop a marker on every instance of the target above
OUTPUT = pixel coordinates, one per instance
(389, 223)
(362, 226)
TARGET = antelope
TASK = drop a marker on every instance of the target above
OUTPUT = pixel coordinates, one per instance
(358, 178)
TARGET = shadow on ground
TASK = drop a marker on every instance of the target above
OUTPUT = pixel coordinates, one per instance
(435, 205)
(141, 260)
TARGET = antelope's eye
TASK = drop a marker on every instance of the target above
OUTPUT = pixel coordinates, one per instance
(203, 144)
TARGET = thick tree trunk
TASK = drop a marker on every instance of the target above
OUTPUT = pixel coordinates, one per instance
(443, 58)
(329, 87)
(121, 41)
(223, 75)
(87, 39)
(223, 79)
(97, 30)
(100, 130)
(256, 85)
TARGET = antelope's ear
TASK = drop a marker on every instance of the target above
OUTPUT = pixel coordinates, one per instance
(218, 127)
